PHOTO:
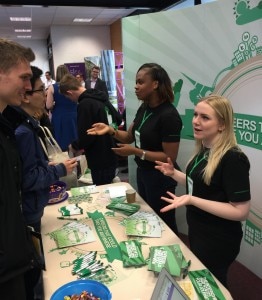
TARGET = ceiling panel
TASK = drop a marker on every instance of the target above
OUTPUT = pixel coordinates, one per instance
(156, 4)
(43, 17)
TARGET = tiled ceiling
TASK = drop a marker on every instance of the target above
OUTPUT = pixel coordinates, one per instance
(45, 15)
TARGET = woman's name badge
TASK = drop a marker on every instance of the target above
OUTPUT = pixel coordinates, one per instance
(190, 185)
(137, 138)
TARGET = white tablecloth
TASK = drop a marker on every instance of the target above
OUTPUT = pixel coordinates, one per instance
(131, 283)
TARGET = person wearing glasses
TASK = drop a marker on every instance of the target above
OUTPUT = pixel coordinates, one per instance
(94, 82)
(37, 173)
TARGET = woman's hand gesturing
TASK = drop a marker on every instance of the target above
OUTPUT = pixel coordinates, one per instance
(166, 168)
(98, 129)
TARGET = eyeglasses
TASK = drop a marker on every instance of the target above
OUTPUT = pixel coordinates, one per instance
(42, 90)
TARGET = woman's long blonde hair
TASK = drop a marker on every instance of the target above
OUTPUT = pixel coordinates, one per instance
(227, 138)
(61, 70)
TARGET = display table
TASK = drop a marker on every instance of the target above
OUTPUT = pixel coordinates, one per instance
(128, 283)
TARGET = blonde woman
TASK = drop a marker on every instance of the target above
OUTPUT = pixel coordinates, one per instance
(218, 189)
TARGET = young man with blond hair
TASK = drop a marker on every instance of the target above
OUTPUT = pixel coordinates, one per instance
(15, 252)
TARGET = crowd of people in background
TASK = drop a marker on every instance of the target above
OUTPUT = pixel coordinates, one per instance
(84, 121)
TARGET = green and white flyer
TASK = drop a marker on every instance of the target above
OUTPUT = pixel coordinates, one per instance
(73, 233)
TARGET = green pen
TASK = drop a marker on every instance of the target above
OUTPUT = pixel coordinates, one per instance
(84, 272)
(89, 271)
(64, 218)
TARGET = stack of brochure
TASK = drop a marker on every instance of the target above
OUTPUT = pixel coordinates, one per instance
(143, 223)
(73, 233)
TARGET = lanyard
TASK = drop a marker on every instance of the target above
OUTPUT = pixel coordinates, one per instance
(145, 117)
(196, 163)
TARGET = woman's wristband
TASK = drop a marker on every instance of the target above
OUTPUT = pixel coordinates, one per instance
(114, 127)
(114, 132)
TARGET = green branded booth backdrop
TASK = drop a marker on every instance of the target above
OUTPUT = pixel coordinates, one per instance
(216, 47)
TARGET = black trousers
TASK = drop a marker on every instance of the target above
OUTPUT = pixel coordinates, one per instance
(13, 288)
(104, 176)
(33, 277)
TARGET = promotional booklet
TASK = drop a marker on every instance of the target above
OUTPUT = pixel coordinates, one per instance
(73, 233)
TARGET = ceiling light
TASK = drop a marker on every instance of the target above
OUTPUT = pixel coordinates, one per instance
(24, 36)
(82, 20)
(32, 6)
(23, 19)
(23, 30)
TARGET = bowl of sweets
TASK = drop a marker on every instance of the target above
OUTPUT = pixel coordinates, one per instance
(57, 192)
(85, 289)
